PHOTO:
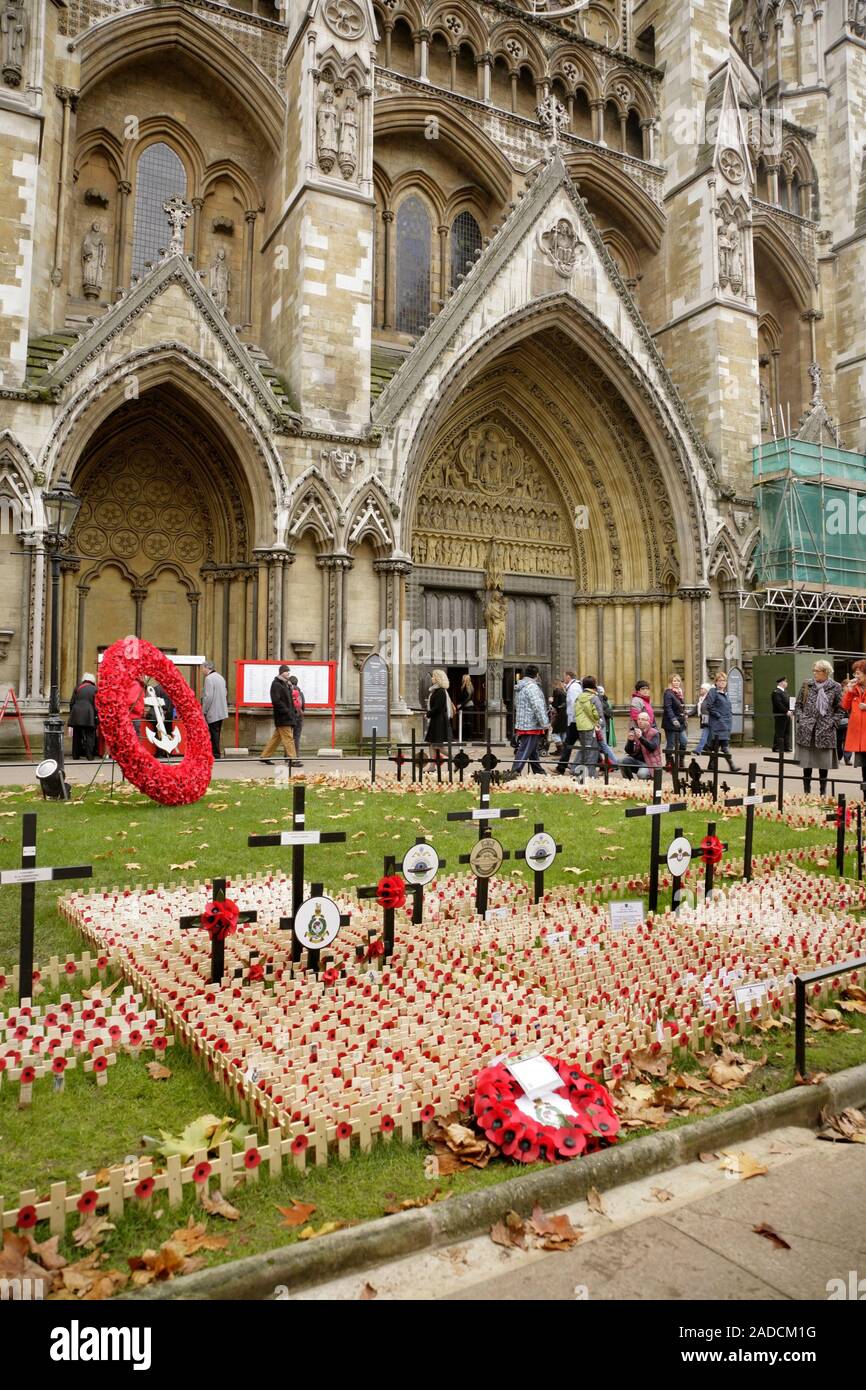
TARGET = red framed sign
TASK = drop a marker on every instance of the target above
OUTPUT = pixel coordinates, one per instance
(317, 681)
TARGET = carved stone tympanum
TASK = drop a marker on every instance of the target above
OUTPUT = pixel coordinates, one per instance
(563, 246)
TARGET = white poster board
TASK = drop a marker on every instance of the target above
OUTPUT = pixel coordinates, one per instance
(313, 681)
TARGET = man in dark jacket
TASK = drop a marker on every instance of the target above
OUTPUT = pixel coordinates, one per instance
(285, 718)
(82, 718)
(782, 718)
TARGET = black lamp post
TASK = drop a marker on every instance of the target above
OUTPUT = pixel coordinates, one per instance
(61, 508)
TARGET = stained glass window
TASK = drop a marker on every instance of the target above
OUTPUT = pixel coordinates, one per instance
(160, 175)
(413, 266)
(465, 241)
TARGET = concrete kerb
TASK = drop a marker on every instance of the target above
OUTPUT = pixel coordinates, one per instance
(392, 1237)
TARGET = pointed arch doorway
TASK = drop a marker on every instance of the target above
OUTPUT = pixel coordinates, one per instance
(162, 546)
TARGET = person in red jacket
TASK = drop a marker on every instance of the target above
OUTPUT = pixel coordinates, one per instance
(135, 699)
(854, 701)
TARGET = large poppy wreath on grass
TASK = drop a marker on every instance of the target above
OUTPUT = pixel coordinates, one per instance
(172, 784)
(582, 1119)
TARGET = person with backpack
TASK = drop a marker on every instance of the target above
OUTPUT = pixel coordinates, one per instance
(300, 708)
(285, 718)
(588, 718)
(573, 688)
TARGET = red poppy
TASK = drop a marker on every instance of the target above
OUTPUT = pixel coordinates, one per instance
(88, 1202)
(427, 1114)
(344, 1130)
(391, 891)
(100, 1064)
(144, 1189)
(201, 1172)
(26, 1218)
(70, 967)
(58, 1065)
(299, 1143)
(331, 975)
(135, 1038)
(252, 1158)
(386, 1124)
(28, 1076)
(160, 1043)
(569, 1142)
(101, 962)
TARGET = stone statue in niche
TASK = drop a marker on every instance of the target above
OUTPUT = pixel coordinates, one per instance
(219, 278)
(730, 256)
(348, 155)
(326, 131)
(13, 31)
(495, 614)
(92, 261)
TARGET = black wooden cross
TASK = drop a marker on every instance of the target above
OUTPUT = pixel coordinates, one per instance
(781, 763)
(27, 878)
(676, 879)
(750, 801)
(859, 813)
(245, 973)
(417, 889)
(388, 871)
(484, 813)
(489, 760)
(461, 762)
(414, 756)
(709, 866)
(656, 808)
(839, 818)
(297, 837)
(217, 946)
(535, 857)
(399, 758)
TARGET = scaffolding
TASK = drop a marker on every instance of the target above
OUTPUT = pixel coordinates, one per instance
(810, 564)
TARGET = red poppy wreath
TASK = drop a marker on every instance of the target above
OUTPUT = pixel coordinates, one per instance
(175, 784)
(576, 1118)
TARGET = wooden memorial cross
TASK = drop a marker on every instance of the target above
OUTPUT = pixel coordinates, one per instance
(539, 854)
(417, 889)
(400, 758)
(372, 891)
(297, 837)
(255, 971)
(27, 878)
(676, 879)
(781, 763)
(750, 801)
(709, 859)
(859, 842)
(484, 813)
(840, 818)
(217, 944)
(656, 808)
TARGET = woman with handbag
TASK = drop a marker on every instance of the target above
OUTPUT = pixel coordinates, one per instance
(440, 713)
(818, 710)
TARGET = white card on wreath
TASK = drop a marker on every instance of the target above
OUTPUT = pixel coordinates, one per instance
(535, 1075)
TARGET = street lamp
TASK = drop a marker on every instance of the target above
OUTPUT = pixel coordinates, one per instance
(61, 508)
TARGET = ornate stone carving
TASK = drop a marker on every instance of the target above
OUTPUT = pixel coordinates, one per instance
(327, 138)
(495, 617)
(342, 461)
(482, 486)
(13, 32)
(730, 240)
(345, 18)
(741, 520)
(6, 635)
(348, 152)
(94, 197)
(92, 261)
(178, 213)
(732, 166)
(219, 279)
(223, 224)
(553, 119)
(561, 244)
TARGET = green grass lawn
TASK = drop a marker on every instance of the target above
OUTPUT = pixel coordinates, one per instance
(89, 1127)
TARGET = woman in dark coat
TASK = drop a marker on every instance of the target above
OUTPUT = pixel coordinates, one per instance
(674, 719)
(781, 716)
(818, 710)
(558, 715)
(82, 717)
(440, 712)
(720, 718)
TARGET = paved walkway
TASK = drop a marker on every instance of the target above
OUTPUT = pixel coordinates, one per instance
(698, 1242)
(847, 778)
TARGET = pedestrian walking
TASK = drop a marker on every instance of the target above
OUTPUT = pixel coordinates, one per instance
(300, 711)
(675, 720)
(557, 708)
(573, 688)
(588, 717)
(641, 702)
(214, 705)
(782, 717)
(440, 712)
(466, 707)
(703, 718)
(854, 703)
(720, 718)
(530, 720)
(82, 717)
(606, 733)
(818, 709)
(285, 718)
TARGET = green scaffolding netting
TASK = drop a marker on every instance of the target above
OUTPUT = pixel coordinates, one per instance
(812, 514)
